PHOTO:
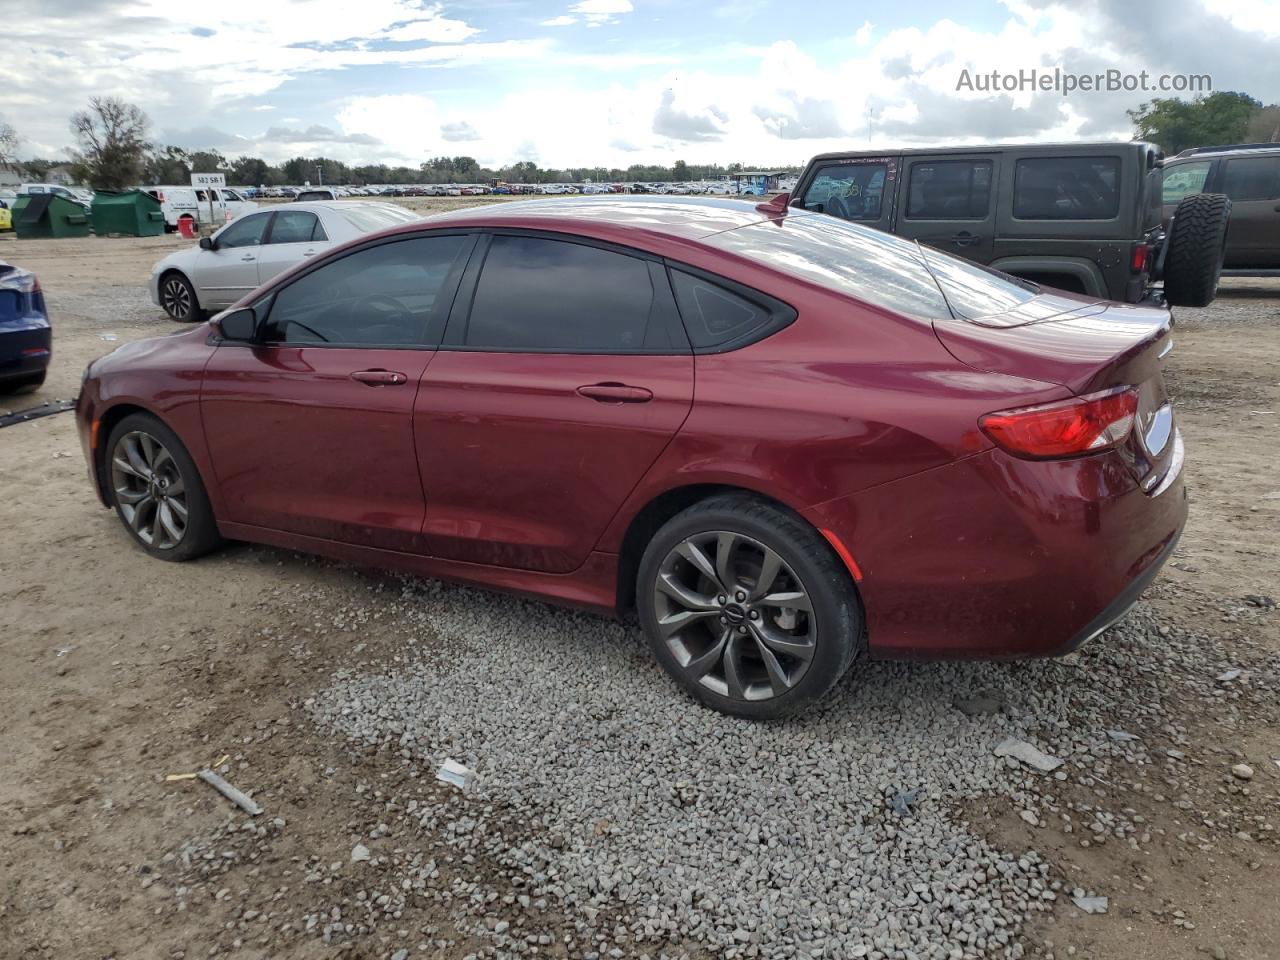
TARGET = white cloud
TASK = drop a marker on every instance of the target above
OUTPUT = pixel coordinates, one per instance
(561, 21)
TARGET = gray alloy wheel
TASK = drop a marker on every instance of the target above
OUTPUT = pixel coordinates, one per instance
(735, 616)
(149, 489)
(176, 297)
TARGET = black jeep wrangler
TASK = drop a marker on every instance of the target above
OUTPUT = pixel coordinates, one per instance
(1084, 217)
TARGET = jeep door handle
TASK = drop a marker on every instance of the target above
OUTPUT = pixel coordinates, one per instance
(380, 378)
(615, 393)
(964, 239)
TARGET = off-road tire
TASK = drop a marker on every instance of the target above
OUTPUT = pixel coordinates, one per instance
(836, 606)
(1196, 245)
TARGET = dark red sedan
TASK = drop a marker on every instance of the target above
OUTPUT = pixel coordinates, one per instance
(783, 439)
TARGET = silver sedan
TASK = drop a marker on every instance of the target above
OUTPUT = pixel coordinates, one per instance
(253, 248)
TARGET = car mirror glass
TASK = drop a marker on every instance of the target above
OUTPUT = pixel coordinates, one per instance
(238, 326)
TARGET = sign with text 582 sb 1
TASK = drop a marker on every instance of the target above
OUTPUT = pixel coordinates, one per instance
(208, 179)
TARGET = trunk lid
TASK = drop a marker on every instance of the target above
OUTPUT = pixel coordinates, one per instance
(1085, 347)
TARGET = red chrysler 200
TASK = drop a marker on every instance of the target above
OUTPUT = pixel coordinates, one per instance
(783, 439)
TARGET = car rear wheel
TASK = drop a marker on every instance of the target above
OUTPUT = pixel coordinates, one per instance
(747, 607)
(157, 491)
(178, 297)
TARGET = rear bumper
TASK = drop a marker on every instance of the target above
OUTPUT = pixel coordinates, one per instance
(25, 351)
(992, 556)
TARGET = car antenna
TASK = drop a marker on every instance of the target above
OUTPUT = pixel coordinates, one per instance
(924, 258)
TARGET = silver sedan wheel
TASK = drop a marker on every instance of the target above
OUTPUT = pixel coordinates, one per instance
(149, 489)
(735, 616)
(175, 297)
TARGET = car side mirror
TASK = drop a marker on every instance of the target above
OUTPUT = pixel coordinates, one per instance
(206, 243)
(238, 326)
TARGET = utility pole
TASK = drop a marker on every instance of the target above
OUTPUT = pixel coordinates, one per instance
(320, 174)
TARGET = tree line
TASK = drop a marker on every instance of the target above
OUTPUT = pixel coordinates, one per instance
(114, 153)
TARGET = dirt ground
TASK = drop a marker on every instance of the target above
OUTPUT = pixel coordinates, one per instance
(118, 670)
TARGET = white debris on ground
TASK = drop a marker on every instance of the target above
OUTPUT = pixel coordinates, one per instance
(651, 822)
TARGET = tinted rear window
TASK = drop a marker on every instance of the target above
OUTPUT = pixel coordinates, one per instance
(549, 295)
(874, 267)
(974, 291)
(1252, 178)
(949, 190)
(1067, 188)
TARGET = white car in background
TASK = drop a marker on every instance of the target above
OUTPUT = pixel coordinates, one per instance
(249, 251)
(188, 203)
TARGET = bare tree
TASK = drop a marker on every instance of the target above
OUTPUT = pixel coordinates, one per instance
(9, 141)
(113, 143)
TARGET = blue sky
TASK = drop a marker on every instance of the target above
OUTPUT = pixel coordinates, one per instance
(608, 82)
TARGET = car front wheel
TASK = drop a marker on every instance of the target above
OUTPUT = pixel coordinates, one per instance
(747, 607)
(178, 297)
(157, 491)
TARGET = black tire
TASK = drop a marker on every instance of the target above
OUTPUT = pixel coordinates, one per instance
(178, 297)
(810, 566)
(1196, 245)
(28, 384)
(200, 533)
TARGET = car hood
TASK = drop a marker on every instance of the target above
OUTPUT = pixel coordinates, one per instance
(137, 352)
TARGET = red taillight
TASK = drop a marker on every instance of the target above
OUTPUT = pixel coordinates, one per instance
(1141, 257)
(1067, 428)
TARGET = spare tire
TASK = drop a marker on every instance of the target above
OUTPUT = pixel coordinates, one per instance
(1194, 249)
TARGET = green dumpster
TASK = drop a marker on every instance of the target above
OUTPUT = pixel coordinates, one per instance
(133, 213)
(43, 215)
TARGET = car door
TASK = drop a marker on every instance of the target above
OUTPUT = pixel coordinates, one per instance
(229, 270)
(948, 202)
(310, 429)
(295, 236)
(563, 375)
(1253, 184)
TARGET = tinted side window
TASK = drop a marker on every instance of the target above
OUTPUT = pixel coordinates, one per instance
(851, 191)
(244, 233)
(394, 294)
(1067, 188)
(1184, 179)
(296, 226)
(713, 315)
(537, 294)
(1252, 178)
(949, 190)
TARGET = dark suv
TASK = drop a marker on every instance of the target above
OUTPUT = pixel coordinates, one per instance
(1083, 217)
(1248, 174)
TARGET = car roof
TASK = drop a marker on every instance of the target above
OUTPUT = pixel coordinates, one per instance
(684, 218)
(1051, 148)
(1212, 153)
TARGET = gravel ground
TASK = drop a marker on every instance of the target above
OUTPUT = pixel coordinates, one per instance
(669, 824)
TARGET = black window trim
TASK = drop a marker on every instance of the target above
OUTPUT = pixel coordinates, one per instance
(932, 161)
(781, 314)
(460, 317)
(1013, 193)
(450, 289)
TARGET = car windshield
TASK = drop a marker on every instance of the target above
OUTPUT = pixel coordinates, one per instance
(368, 217)
(876, 268)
